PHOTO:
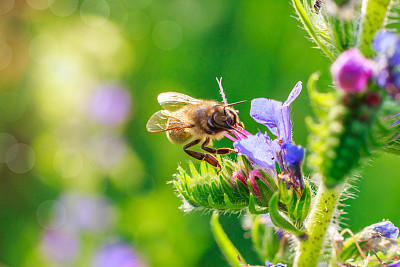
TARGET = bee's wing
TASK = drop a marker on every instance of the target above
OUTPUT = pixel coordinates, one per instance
(173, 101)
(161, 122)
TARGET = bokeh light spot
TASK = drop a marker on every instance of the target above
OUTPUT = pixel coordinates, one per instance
(12, 106)
(60, 247)
(110, 105)
(95, 13)
(167, 35)
(63, 8)
(38, 4)
(88, 212)
(116, 253)
(6, 141)
(6, 6)
(108, 150)
(138, 25)
(43, 48)
(51, 214)
(20, 158)
(5, 55)
(138, 4)
(68, 162)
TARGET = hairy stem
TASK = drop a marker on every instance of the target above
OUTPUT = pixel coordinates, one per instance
(373, 18)
(316, 225)
(310, 28)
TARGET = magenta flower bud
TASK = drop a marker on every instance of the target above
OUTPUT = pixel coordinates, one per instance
(351, 71)
(238, 175)
(253, 183)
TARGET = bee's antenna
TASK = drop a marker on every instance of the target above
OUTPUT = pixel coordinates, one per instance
(221, 90)
(236, 103)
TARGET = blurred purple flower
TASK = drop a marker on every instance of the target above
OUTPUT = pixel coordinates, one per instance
(60, 247)
(387, 229)
(116, 254)
(87, 212)
(387, 74)
(351, 71)
(110, 105)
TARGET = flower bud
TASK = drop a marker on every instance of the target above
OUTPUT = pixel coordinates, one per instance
(351, 71)
(240, 176)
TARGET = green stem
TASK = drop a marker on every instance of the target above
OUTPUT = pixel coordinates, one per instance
(373, 18)
(317, 225)
(310, 28)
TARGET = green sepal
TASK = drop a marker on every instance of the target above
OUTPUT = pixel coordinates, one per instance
(246, 164)
(225, 244)
(252, 206)
(280, 221)
(265, 191)
(234, 206)
(214, 204)
(243, 189)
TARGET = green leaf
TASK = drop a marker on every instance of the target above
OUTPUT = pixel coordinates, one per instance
(280, 221)
(228, 249)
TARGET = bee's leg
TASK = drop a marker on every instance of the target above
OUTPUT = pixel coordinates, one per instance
(220, 151)
(200, 155)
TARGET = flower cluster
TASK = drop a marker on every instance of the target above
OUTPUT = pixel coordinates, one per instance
(387, 46)
(264, 151)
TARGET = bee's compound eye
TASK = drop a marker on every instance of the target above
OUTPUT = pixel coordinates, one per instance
(229, 120)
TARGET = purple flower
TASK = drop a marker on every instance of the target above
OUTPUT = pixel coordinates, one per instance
(351, 71)
(387, 74)
(110, 105)
(385, 42)
(387, 229)
(259, 148)
(116, 254)
(266, 152)
(274, 114)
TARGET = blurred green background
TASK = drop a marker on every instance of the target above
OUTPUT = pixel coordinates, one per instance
(82, 183)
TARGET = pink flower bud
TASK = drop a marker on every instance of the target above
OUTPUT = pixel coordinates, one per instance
(239, 175)
(351, 71)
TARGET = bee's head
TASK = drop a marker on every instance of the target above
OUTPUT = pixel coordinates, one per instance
(225, 117)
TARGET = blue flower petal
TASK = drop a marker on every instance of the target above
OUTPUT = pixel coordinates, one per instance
(258, 148)
(267, 112)
(294, 154)
(293, 94)
(387, 230)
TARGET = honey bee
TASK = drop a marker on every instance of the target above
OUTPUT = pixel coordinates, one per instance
(185, 118)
